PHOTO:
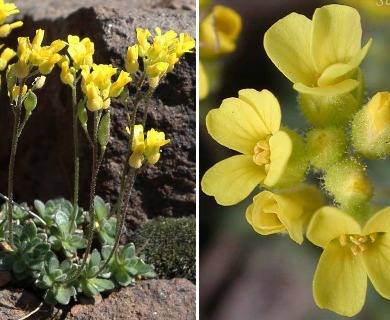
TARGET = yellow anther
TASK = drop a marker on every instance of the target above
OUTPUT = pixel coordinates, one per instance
(343, 240)
(373, 236)
(262, 152)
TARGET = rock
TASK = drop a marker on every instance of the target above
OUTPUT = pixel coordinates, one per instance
(44, 163)
(147, 300)
(16, 303)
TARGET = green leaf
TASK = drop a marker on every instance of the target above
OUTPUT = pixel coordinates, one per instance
(29, 231)
(103, 284)
(106, 250)
(101, 209)
(19, 266)
(95, 258)
(40, 207)
(127, 252)
(63, 294)
(52, 262)
(63, 222)
(123, 278)
(49, 297)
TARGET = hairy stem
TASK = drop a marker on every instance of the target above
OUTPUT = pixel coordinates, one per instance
(14, 146)
(121, 216)
(91, 212)
(76, 156)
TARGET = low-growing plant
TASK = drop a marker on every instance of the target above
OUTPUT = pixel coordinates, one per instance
(58, 246)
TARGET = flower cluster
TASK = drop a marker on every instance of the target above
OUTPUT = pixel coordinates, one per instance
(160, 56)
(32, 54)
(146, 149)
(99, 88)
(322, 58)
(6, 10)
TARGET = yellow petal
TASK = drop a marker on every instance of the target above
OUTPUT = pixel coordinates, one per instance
(380, 222)
(203, 82)
(335, 73)
(266, 105)
(232, 179)
(340, 281)
(376, 260)
(262, 214)
(236, 125)
(358, 58)
(281, 148)
(343, 87)
(336, 37)
(329, 223)
(287, 43)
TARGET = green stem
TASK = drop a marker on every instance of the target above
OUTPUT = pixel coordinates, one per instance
(76, 156)
(91, 212)
(129, 180)
(14, 145)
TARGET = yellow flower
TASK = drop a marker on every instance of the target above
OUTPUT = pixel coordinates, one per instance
(117, 87)
(81, 52)
(6, 29)
(288, 211)
(143, 44)
(249, 124)
(320, 56)
(7, 9)
(5, 57)
(148, 148)
(33, 54)
(137, 146)
(185, 44)
(66, 75)
(16, 91)
(218, 32)
(351, 253)
(132, 64)
(154, 140)
(94, 101)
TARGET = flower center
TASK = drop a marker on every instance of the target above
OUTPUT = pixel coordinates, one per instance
(357, 243)
(262, 152)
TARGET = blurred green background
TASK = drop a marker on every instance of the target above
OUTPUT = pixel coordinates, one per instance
(244, 275)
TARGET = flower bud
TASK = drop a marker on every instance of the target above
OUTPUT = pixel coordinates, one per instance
(30, 102)
(371, 127)
(330, 109)
(288, 211)
(104, 130)
(325, 146)
(348, 182)
(39, 82)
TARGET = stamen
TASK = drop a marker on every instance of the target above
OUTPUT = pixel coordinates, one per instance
(343, 240)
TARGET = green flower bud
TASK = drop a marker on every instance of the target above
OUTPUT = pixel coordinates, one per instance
(30, 102)
(82, 114)
(371, 127)
(348, 183)
(325, 146)
(104, 130)
(327, 110)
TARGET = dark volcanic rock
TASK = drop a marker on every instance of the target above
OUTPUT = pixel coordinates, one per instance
(148, 300)
(44, 164)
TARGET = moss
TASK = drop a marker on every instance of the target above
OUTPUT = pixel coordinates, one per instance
(170, 245)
